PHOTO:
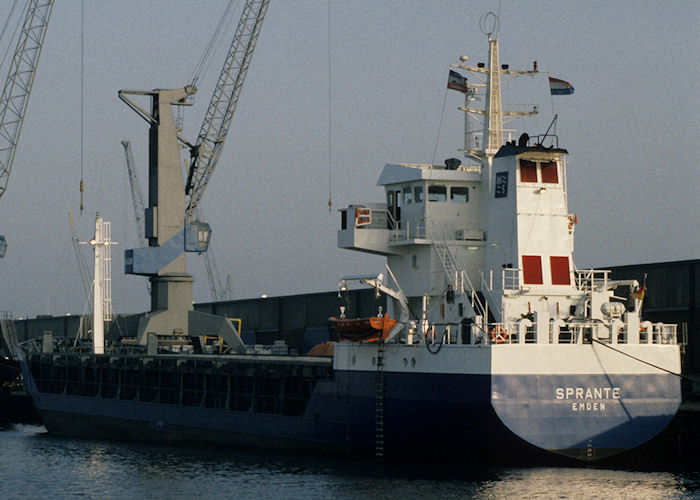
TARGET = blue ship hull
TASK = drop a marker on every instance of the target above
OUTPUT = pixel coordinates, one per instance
(592, 423)
(425, 415)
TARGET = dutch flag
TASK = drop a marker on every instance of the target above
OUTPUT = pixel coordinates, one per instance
(560, 87)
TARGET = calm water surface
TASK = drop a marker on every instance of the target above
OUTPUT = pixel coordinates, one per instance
(36, 465)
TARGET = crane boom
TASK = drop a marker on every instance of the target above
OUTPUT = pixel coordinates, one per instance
(207, 150)
(15, 93)
(136, 193)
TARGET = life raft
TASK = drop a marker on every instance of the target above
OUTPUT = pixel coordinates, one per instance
(367, 329)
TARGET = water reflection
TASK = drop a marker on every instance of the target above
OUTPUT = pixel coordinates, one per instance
(585, 483)
(35, 464)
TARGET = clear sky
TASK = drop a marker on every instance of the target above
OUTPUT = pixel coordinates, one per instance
(631, 129)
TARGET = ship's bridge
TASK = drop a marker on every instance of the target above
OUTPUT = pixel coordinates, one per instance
(423, 203)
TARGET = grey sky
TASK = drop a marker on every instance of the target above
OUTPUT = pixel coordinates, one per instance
(631, 129)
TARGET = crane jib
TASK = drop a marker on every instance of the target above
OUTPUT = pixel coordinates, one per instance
(18, 85)
(215, 126)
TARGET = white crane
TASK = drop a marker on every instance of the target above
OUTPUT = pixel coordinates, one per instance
(18, 86)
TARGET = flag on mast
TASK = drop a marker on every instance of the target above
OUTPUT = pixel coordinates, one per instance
(560, 87)
(456, 82)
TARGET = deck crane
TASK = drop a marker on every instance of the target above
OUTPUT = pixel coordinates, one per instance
(206, 151)
(18, 86)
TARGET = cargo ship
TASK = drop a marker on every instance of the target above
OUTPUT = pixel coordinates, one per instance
(493, 342)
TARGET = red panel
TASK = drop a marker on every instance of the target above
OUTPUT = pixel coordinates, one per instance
(528, 171)
(560, 270)
(549, 172)
(532, 269)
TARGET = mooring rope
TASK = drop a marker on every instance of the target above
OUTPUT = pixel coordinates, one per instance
(647, 362)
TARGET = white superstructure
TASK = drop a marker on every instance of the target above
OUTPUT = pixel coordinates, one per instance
(487, 249)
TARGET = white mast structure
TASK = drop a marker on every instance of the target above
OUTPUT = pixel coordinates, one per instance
(102, 283)
(492, 116)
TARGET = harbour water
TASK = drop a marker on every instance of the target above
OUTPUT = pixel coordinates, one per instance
(36, 465)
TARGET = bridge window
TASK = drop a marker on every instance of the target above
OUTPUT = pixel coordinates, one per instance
(459, 194)
(528, 171)
(549, 172)
(407, 196)
(437, 193)
(418, 194)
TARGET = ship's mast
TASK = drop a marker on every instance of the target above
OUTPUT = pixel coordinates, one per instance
(102, 284)
(492, 116)
(493, 125)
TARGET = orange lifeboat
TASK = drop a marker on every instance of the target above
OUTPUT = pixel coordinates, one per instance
(368, 329)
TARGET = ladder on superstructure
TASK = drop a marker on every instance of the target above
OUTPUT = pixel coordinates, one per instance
(449, 265)
(458, 279)
(379, 402)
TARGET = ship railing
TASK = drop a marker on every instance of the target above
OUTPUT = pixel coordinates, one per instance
(592, 279)
(409, 230)
(614, 332)
(559, 331)
(516, 332)
(658, 333)
(489, 298)
(525, 331)
(584, 332)
(586, 279)
(547, 140)
(417, 229)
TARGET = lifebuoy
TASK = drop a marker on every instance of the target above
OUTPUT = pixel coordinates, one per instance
(430, 335)
(499, 335)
